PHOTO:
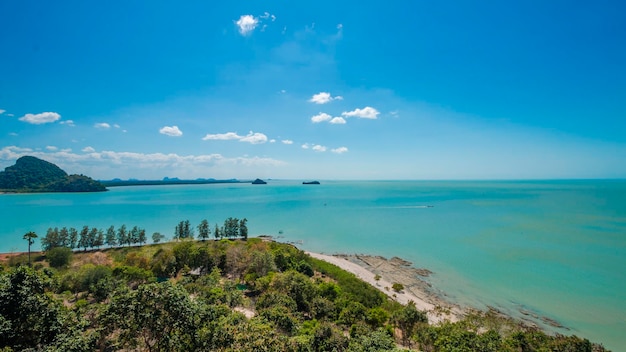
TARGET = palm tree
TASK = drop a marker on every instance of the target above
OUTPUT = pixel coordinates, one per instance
(30, 237)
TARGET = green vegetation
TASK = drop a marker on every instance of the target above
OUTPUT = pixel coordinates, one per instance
(222, 295)
(397, 287)
(30, 174)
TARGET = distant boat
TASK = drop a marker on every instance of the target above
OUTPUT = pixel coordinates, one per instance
(258, 181)
(311, 183)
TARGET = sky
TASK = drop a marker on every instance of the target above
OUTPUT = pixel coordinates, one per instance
(316, 90)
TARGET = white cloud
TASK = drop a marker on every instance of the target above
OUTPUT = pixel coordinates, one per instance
(51, 148)
(321, 117)
(305, 146)
(10, 115)
(13, 134)
(88, 150)
(323, 98)
(247, 24)
(68, 122)
(116, 126)
(267, 15)
(38, 119)
(338, 120)
(2, 111)
(102, 125)
(66, 150)
(254, 138)
(287, 141)
(339, 150)
(172, 131)
(272, 140)
(365, 113)
(222, 137)
(319, 148)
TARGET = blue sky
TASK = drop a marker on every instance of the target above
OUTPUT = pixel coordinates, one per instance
(316, 90)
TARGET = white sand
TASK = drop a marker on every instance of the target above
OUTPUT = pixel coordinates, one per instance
(384, 285)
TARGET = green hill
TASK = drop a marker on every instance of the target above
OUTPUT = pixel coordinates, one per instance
(30, 174)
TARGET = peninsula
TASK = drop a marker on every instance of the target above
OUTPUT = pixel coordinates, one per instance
(30, 174)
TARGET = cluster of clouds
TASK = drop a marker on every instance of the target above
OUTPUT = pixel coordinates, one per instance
(251, 137)
(89, 155)
(367, 112)
(51, 117)
(246, 24)
(321, 148)
(104, 126)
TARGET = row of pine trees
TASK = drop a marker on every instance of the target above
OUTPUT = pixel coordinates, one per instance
(92, 237)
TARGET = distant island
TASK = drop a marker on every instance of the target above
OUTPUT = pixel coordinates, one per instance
(31, 174)
(258, 181)
(311, 182)
(165, 181)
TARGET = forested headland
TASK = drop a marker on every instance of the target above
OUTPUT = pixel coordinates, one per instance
(211, 288)
(30, 174)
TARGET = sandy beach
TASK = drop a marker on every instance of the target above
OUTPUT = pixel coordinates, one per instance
(396, 270)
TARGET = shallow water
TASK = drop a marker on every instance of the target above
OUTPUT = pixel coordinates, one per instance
(555, 248)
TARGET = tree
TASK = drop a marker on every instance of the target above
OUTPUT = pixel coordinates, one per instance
(84, 237)
(157, 237)
(110, 237)
(30, 237)
(188, 230)
(218, 235)
(99, 239)
(204, 230)
(51, 239)
(122, 236)
(33, 316)
(231, 227)
(73, 239)
(179, 231)
(66, 235)
(243, 229)
(142, 236)
(93, 237)
(133, 235)
(407, 318)
(161, 317)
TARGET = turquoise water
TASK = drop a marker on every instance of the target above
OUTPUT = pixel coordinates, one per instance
(556, 248)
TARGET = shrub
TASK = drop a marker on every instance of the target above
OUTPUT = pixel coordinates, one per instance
(59, 256)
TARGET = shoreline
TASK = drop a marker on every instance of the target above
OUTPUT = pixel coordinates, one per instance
(397, 270)
(435, 303)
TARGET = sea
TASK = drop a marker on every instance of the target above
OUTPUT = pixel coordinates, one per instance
(553, 249)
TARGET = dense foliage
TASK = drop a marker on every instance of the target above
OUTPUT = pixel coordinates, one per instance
(226, 295)
(30, 174)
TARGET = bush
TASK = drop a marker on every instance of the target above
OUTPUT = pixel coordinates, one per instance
(397, 287)
(59, 257)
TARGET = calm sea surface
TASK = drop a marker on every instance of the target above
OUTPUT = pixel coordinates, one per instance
(554, 248)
